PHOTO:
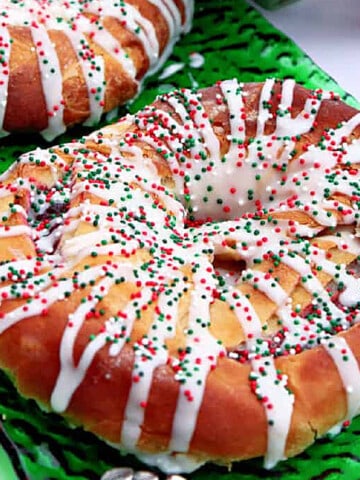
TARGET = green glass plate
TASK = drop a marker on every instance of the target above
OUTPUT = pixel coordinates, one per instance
(229, 39)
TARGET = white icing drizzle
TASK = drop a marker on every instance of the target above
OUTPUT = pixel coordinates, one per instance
(70, 376)
(14, 209)
(346, 129)
(12, 231)
(148, 356)
(93, 69)
(348, 368)
(48, 158)
(42, 281)
(141, 27)
(278, 406)
(25, 266)
(51, 80)
(245, 313)
(266, 284)
(234, 101)
(346, 241)
(172, 16)
(351, 284)
(5, 46)
(199, 340)
(285, 124)
(44, 299)
(264, 113)
(104, 38)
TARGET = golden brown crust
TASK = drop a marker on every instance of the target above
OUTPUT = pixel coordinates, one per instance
(232, 422)
(26, 91)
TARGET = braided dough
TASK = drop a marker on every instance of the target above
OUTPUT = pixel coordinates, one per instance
(184, 283)
(67, 62)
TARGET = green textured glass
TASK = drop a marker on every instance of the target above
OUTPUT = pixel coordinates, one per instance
(274, 4)
(7, 469)
(229, 39)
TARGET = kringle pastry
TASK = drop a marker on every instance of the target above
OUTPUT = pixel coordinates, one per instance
(67, 62)
(184, 283)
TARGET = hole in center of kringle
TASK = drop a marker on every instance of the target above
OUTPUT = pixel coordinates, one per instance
(228, 269)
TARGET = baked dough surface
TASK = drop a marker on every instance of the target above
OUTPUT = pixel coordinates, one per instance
(184, 283)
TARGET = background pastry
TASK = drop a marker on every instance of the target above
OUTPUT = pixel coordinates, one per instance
(64, 63)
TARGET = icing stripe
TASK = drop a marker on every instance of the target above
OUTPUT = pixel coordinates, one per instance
(263, 113)
(199, 341)
(70, 376)
(93, 69)
(348, 369)
(278, 407)
(147, 359)
(51, 78)
(5, 51)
